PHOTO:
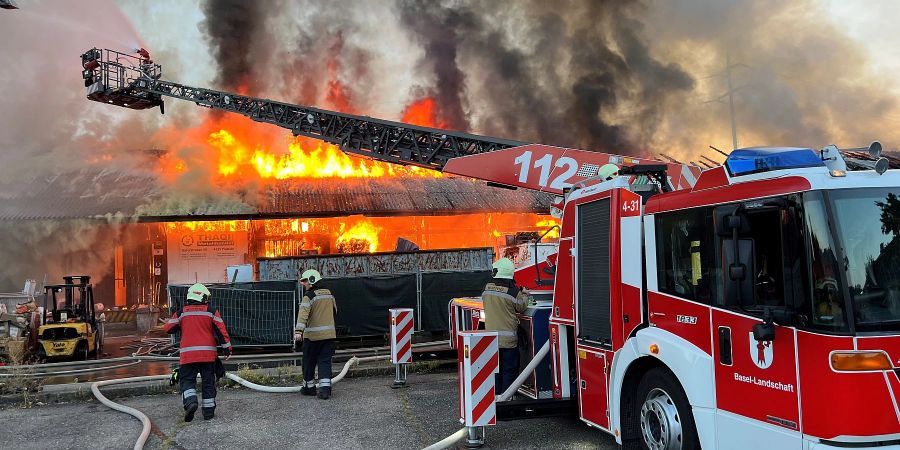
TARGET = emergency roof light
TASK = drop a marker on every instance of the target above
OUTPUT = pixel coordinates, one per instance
(746, 161)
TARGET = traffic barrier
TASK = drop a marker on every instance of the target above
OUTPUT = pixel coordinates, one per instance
(120, 316)
(401, 342)
(477, 397)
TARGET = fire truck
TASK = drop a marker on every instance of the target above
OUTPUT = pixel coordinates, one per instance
(754, 304)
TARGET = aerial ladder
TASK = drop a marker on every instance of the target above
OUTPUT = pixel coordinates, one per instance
(134, 81)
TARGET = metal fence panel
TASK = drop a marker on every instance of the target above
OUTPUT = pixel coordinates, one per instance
(253, 315)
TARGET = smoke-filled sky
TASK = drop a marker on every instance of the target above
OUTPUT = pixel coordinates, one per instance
(632, 77)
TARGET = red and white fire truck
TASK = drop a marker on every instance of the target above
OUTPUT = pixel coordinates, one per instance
(752, 305)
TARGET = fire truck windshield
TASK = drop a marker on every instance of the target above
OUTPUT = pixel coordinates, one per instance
(867, 226)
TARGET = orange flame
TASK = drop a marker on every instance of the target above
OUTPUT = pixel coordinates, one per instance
(423, 112)
(305, 159)
(210, 225)
(546, 224)
(360, 238)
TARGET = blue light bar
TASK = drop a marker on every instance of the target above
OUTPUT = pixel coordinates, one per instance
(745, 161)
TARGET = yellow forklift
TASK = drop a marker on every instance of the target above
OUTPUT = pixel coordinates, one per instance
(70, 324)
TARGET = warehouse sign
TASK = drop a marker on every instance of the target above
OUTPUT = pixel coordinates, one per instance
(204, 256)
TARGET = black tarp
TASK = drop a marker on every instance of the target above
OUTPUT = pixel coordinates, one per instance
(440, 287)
(363, 303)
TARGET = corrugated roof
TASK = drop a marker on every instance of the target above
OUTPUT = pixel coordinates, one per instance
(94, 193)
(86, 193)
(397, 196)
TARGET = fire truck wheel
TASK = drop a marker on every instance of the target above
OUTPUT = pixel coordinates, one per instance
(666, 422)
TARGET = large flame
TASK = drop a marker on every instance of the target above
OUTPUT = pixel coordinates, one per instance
(241, 149)
(305, 158)
(360, 238)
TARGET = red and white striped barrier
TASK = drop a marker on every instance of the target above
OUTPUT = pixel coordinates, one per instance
(401, 335)
(480, 352)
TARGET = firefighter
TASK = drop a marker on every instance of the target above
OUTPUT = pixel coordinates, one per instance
(608, 172)
(502, 299)
(201, 327)
(315, 327)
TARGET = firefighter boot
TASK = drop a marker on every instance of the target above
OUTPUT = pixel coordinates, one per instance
(324, 392)
(189, 411)
(309, 388)
(209, 408)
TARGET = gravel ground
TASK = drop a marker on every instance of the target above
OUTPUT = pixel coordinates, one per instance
(364, 413)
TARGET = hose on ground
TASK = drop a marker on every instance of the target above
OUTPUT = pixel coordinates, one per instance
(506, 395)
(448, 441)
(145, 421)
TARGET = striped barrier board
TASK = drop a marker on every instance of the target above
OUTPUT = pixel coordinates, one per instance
(479, 351)
(119, 316)
(401, 335)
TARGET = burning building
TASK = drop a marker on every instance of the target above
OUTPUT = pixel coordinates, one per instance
(124, 229)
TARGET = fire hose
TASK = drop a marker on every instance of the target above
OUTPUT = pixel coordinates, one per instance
(448, 441)
(145, 420)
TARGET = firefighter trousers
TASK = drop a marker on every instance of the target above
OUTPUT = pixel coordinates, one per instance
(187, 380)
(509, 369)
(318, 353)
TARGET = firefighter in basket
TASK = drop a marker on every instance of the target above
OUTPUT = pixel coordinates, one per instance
(502, 300)
(201, 328)
(315, 327)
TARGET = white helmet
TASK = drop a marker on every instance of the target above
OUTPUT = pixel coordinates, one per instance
(608, 171)
(504, 268)
(197, 293)
(311, 275)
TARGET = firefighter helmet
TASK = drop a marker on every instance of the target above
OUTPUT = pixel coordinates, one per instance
(197, 293)
(504, 268)
(608, 171)
(311, 275)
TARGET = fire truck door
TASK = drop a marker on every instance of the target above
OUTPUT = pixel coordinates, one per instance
(756, 380)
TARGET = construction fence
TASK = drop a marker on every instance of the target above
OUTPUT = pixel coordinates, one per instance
(257, 314)
(366, 286)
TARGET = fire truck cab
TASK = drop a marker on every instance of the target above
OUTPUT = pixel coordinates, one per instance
(759, 307)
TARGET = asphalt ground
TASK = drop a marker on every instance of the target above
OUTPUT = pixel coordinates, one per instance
(364, 413)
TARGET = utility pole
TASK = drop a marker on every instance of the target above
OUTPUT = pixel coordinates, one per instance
(730, 94)
(728, 67)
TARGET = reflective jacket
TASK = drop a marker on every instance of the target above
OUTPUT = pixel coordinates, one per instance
(198, 332)
(501, 303)
(316, 316)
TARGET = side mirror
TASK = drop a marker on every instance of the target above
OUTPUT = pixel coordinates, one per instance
(764, 331)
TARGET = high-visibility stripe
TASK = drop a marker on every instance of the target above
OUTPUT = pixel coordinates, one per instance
(321, 297)
(209, 402)
(218, 319)
(176, 320)
(300, 327)
(198, 313)
(505, 333)
(504, 296)
(325, 382)
(226, 345)
(189, 393)
(198, 348)
(322, 328)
